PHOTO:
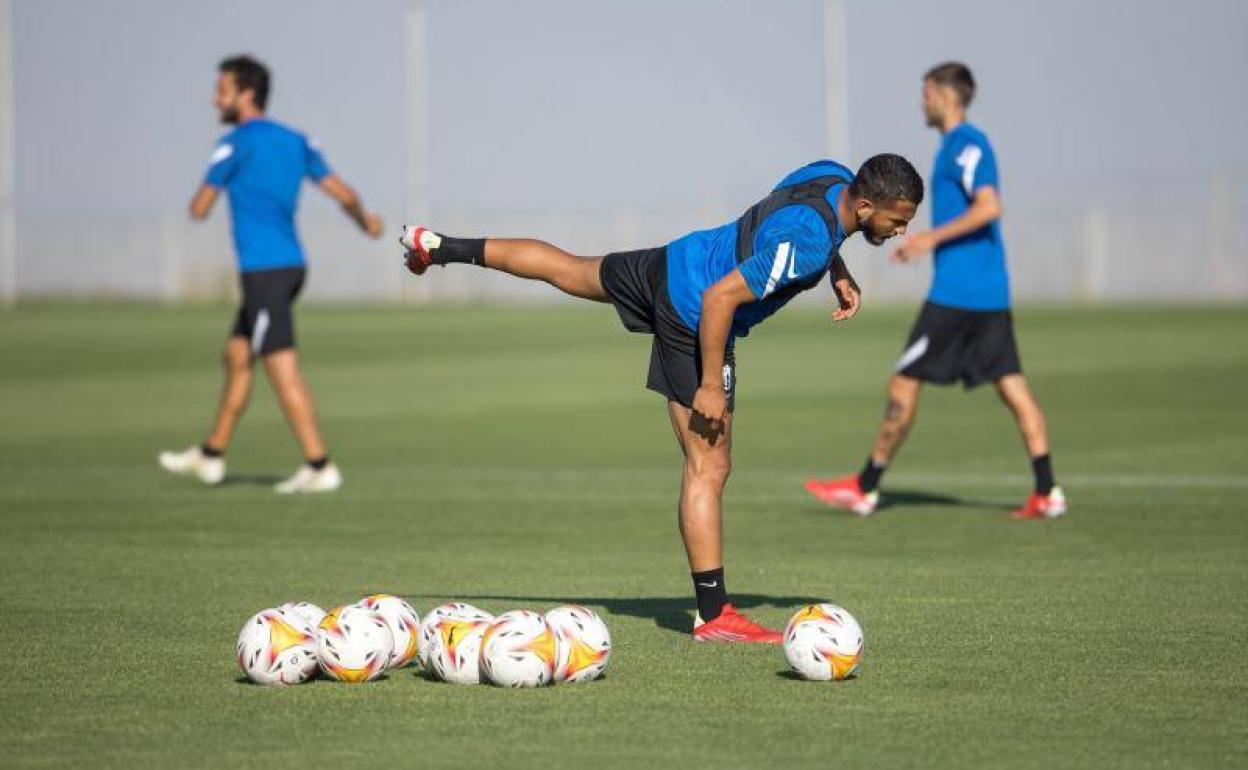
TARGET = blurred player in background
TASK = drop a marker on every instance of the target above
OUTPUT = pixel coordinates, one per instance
(965, 330)
(261, 164)
(696, 296)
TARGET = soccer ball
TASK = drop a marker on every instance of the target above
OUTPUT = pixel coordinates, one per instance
(276, 648)
(822, 642)
(353, 644)
(404, 625)
(519, 650)
(583, 643)
(308, 612)
(455, 649)
(429, 625)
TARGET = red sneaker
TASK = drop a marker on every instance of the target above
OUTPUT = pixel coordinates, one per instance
(419, 242)
(846, 493)
(732, 626)
(1049, 506)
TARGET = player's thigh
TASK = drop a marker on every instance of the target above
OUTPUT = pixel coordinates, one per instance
(904, 390)
(1015, 393)
(701, 456)
(237, 353)
(282, 368)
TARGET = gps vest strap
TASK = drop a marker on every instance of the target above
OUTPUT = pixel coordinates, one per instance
(812, 192)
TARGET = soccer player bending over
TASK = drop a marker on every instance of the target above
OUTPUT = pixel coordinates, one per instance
(696, 296)
(261, 165)
(965, 330)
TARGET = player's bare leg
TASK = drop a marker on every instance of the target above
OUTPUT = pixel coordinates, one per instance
(206, 461)
(705, 473)
(318, 475)
(702, 485)
(1047, 499)
(521, 257)
(235, 392)
(899, 414)
(859, 493)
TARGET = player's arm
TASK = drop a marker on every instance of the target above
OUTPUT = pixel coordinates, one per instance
(340, 191)
(848, 295)
(203, 201)
(985, 209)
(719, 304)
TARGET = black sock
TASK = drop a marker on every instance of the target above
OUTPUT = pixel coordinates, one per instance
(208, 451)
(709, 587)
(467, 250)
(869, 479)
(1042, 467)
(319, 463)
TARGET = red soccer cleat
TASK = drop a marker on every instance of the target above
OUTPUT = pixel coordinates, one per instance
(419, 243)
(1050, 506)
(846, 493)
(732, 626)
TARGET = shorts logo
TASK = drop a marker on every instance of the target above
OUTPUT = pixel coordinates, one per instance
(261, 329)
(912, 353)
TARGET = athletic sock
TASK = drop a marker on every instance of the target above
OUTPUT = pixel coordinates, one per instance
(319, 463)
(208, 451)
(467, 250)
(869, 479)
(1042, 467)
(709, 587)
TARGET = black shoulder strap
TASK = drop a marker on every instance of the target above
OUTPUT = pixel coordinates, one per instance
(812, 192)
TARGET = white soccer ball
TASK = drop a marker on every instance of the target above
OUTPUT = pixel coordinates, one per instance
(583, 643)
(353, 644)
(429, 624)
(455, 650)
(276, 648)
(308, 612)
(519, 650)
(404, 625)
(823, 642)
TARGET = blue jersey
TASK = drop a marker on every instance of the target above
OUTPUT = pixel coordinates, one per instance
(262, 164)
(792, 250)
(969, 272)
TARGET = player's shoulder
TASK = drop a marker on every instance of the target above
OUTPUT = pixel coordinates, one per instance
(969, 134)
(819, 168)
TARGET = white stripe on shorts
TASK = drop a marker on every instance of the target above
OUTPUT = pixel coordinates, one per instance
(257, 333)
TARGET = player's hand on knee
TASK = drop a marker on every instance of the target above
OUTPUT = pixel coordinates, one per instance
(710, 409)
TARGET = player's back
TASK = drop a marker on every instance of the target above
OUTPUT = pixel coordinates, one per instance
(968, 272)
(701, 258)
(261, 165)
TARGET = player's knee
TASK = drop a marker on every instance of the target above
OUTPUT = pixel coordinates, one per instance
(711, 468)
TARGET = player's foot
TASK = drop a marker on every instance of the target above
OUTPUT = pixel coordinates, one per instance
(846, 493)
(732, 626)
(309, 479)
(1038, 506)
(193, 462)
(420, 244)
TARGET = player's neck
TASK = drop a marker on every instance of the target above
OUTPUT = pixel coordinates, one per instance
(247, 115)
(952, 121)
(845, 212)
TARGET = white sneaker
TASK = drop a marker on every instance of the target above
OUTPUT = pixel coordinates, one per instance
(309, 479)
(193, 462)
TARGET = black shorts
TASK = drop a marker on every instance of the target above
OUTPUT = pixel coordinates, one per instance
(948, 344)
(636, 283)
(266, 317)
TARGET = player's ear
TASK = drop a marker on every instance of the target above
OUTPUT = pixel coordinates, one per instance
(863, 208)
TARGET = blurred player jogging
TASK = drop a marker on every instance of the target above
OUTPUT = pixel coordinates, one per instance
(965, 330)
(696, 296)
(261, 165)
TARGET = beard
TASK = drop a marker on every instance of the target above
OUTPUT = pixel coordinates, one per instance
(229, 116)
(874, 239)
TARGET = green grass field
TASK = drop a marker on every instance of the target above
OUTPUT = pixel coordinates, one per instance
(510, 457)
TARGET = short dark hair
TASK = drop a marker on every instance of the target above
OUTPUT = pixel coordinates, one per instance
(249, 75)
(887, 178)
(956, 75)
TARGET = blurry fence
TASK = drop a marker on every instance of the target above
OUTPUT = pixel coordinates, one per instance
(1162, 241)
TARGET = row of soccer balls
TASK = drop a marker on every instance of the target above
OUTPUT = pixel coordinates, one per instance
(454, 642)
